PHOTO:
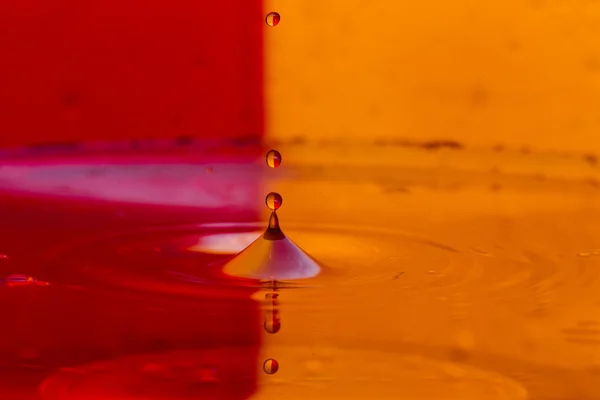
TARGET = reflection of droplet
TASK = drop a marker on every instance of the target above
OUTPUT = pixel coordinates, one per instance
(272, 19)
(274, 201)
(271, 366)
(272, 319)
(273, 158)
(272, 325)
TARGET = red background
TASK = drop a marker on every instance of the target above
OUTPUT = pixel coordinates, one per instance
(75, 70)
(113, 70)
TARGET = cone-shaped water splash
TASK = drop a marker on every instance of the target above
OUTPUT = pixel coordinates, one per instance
(272, 257)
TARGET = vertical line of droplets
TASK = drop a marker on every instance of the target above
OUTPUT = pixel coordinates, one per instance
(272, 321)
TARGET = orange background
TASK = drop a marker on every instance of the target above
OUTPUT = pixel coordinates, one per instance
(509, 72)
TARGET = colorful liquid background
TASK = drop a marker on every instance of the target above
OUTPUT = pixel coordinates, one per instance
(520, 76)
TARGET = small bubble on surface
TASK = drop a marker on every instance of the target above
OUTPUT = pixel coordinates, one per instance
(273, 158)
(273, 19)
(274, 201)
(271, 366)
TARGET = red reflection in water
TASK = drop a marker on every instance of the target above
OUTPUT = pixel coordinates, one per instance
(16, 280)
(109, 71)
(82, 327)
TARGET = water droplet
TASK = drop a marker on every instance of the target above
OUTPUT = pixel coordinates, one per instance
(273, 158)
(271, 366)
(273, 201)
(272, 19)
(209, 170)
(3, 257)
(273, 325)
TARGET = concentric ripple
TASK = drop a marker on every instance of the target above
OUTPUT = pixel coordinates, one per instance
(183, 256)
(315, 373)
(177, 259)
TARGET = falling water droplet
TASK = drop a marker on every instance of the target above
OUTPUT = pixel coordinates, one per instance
(273, 201)
(273, 158)
(271, 366)
(272, 19)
